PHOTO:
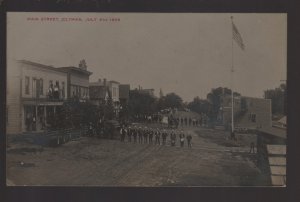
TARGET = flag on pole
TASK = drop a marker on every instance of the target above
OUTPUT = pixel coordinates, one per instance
(237, 37)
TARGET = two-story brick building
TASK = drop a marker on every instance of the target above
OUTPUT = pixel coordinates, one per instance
(34, 92)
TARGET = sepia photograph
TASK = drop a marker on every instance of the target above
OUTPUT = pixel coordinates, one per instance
(146, 99)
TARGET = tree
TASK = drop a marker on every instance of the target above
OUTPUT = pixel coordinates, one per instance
(200, 106)
(215, 99)
(172, 100)
(160, 93)
(278, 97)
(141, 103)
(109, 108)
(74, 113)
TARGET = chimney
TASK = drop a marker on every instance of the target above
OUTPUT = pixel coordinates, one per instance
(99, 80)
(104, 81)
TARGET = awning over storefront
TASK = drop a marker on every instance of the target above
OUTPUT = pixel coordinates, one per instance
(49, 103)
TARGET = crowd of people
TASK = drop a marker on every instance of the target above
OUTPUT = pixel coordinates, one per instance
(157, 136)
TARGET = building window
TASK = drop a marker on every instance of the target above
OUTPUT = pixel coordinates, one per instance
(114, 92)
(252, 117)
(83, 92)
(77, 91)
(50, 89)
(41, 87)
(35, 88)
(56, 90)
(27, 85)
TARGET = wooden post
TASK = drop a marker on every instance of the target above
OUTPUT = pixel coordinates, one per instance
(36, 121)
(45, 117)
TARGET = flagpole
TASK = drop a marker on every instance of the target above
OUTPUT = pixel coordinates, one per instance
(232, 70)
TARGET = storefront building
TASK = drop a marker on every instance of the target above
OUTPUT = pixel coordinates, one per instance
(35, 93)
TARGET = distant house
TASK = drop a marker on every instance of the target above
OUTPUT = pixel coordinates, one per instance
(124, 93)
(148, 91)
(249, 112)
(101, 91)
(99, 94)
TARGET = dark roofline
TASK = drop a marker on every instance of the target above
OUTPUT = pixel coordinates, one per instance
(40, 65)
(255, 98)
(97, 83)
(77, 69)
(114, 82)
(274, 132)
(243, 96)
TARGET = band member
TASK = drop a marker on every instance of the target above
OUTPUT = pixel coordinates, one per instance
(181, 139)
(164, 137)
(145, 136)
(122, 134)
(150, 136)
(157, 137)
(173, 138)
(189, 140)
(140, 134)
(129, 134)
(134, 134)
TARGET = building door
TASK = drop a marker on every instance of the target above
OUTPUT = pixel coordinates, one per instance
(30, 118)
(40, 121)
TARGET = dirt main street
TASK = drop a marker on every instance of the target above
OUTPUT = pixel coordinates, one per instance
(212, 161)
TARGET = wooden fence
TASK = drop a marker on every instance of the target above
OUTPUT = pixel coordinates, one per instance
(61, 136)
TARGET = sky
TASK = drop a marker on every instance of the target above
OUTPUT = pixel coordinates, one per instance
(185, 53)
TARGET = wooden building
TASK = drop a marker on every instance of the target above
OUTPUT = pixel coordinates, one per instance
(34, 92)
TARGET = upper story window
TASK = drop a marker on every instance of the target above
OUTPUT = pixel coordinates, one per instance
(27, 83)
(41, 87)
(79, 91)
(252, 117)
(56, 90)
(50, 89)
(114, 92)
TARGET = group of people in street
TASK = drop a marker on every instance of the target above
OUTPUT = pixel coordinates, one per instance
(157, 136)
